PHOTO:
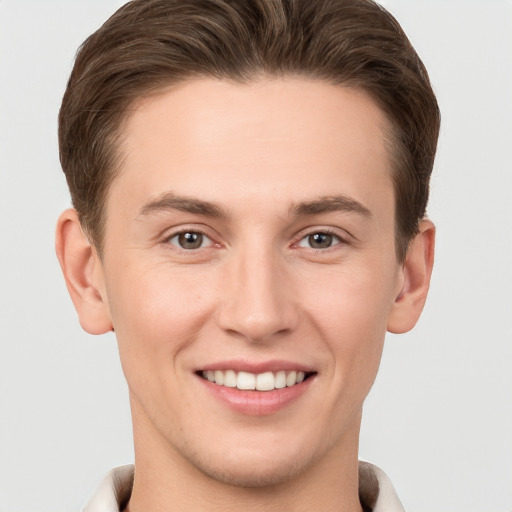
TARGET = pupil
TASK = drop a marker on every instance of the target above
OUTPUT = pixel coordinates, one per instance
(190, 240)
(320, 240)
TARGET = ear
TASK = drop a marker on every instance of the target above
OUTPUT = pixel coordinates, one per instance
(415, 276)
(83, 273)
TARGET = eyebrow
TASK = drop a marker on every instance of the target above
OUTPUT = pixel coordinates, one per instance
(330, 204)
(170, 201)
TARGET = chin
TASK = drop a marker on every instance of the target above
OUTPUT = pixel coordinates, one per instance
(263, 474)
(251, 470)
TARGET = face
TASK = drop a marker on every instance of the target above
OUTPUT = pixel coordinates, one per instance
(249, 271)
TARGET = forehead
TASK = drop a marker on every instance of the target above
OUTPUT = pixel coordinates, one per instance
(201, 137)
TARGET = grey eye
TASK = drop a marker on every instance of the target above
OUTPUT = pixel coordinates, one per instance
(320, 240)
(189, 240)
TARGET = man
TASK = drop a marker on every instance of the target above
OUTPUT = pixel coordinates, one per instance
(249, 181)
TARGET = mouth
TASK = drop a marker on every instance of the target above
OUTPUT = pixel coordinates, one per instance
(246, 381)
(257, 388)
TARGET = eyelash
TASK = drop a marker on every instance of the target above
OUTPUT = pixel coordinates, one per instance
(193, 231)
(337, 239)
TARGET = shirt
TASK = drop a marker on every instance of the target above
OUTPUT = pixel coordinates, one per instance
(376, 492)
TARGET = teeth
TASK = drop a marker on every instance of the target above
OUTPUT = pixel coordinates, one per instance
(249, 381)
(291, 379)
(265, 381)
(245, 380)
(219, 377)
(280, 380)
(230, 379)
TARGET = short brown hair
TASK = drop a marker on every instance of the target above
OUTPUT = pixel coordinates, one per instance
(149, 44)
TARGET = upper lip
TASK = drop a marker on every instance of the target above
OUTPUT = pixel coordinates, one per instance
(256, 367)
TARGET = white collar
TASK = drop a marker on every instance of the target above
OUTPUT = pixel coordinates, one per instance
(375, 490)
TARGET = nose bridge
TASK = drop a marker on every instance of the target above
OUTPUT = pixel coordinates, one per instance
(257, 303)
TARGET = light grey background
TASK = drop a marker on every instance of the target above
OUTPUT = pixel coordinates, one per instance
(439, 420)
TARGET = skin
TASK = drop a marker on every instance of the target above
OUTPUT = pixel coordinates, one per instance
(268, 158)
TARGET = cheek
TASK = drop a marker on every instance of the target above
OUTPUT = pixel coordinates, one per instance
(352, 312)
(156, 313)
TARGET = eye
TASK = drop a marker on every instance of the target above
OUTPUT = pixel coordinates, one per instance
(190, 240)
(320, 240)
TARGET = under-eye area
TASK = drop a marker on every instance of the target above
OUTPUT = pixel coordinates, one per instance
(266, 381)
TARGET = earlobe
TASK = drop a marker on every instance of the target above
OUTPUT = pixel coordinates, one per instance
(415, 275)
(83, 273)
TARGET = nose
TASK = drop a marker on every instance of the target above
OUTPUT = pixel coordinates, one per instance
(257, 297)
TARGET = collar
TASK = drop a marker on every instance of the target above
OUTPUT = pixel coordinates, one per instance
(376, 491)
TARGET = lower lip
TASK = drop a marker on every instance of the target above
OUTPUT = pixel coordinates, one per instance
(257, 403)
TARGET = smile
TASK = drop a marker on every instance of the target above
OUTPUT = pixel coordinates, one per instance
(266, 381)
